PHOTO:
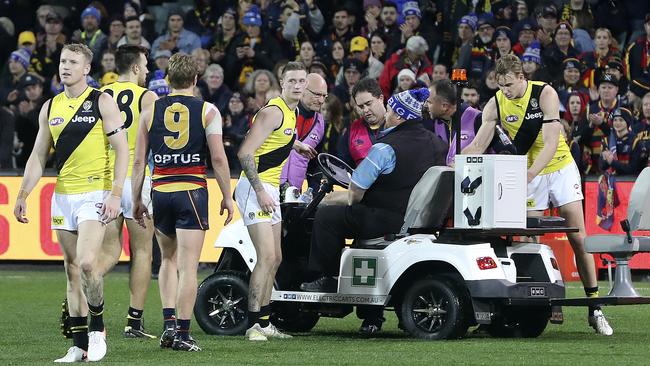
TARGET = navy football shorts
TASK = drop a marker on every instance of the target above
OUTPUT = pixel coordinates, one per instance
(180, 210)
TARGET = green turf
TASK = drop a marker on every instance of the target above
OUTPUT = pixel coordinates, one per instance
(29, 335)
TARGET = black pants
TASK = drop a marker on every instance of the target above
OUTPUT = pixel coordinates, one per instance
(333, 224)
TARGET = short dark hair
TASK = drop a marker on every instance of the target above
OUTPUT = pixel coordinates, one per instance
(293, 66)
(127, 55)
(367, 85)
(389, 4)
(132, 18)
(445, 90)
(470, 85)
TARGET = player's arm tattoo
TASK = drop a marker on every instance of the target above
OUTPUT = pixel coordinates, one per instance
(248, 165)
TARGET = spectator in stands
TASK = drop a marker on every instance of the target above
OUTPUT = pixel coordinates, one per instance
(548, 21)
(618, 145)
(45, 60)
(572, 8)
(133, 34)
(532, 64)
(470, 95)
(341, 28)
(360, 49)
(502, 10)
(372, 11)
(107, 64)
(9, 88)
(413, 25)
(526, 32)
(334, 124)
(253, 50)
(317, 67)
(227, 31)
(596, 61)
(26, 112)
(582, 23)
(636, 57)
(465, 41)
(90, 34)
(115, 33)
(177, 38)
(7, 123)
(158, 84)
(575, 115)
(503, 43)
(27, 40)
(337, 56)
(405, 81)
(571, 81)
(615, 67)
(352, 71)
(389, 27)
(257, 87)
(479, 60)
(439, 72)
(201, 57)
(598, 125)
(641, 144)
(637, 90)
(559, 49)
(202, 21)
(378, 47)
(307, 54)
(521, 10)
(161, 60)
(643, 122)
(413, 56)
(235, 126)
(488, 87)
(41, 19)
(213, 89)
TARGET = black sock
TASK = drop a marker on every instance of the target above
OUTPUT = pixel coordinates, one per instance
(169, 318)
(183, 329)
(96, 317)
(265, 314)
(592, 292)
(134, 318)
(79, 329)
(253, 317)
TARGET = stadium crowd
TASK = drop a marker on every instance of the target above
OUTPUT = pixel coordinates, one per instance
(595, 53)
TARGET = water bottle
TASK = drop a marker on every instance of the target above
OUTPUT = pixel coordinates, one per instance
(505, 140)
(307, 196)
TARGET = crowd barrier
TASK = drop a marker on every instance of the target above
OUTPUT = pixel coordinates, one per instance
(36, 241)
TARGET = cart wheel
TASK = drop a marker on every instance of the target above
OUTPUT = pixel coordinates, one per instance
(520, 323)
(221, 303)
(434, 309)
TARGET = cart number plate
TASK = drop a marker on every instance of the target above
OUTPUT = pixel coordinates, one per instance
(538, 291)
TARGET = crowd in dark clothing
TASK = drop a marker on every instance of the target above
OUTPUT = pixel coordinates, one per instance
(596, 54)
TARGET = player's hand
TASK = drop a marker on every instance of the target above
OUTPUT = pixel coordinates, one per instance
(530, 175)
(140, 212)
(266, 202)
(227, 205)
(110, 208)
(20, 211)
(305, 150)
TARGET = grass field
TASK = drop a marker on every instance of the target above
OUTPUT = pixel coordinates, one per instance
(29, 335)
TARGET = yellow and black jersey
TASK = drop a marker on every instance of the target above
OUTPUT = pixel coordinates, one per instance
(522, 118)
(81, 147)
(128, 96)
(178, 143)
(272, 155)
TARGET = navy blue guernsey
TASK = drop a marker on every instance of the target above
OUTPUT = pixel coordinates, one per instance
(178, 143)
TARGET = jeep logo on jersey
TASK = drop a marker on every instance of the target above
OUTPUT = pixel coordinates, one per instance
(288, 131)
(86, 106)
(534, 115)
(511, 119)
(84, 119)
(56, 121)
(364, 271)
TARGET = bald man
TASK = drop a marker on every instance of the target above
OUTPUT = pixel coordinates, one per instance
(310, 128)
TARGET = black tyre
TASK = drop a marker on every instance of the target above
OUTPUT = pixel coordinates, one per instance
(520, 323)
(434, 309)
(288, 317)
(222, 303)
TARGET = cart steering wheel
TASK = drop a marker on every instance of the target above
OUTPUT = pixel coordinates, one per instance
(335, 169)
